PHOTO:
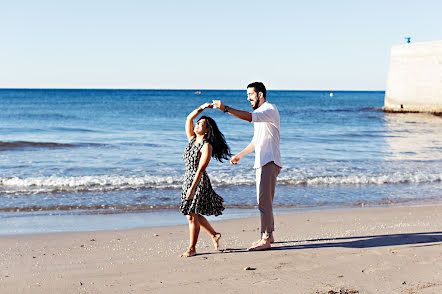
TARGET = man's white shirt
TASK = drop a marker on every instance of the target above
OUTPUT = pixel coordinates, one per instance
(265, 121)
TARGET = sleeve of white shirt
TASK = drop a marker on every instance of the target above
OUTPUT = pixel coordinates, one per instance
(267, 115)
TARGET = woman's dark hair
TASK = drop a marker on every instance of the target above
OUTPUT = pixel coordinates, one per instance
(220, 148)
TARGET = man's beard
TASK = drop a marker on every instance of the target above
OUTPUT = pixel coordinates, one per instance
(255, 107)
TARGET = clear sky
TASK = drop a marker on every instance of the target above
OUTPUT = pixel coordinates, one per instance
(203, 44)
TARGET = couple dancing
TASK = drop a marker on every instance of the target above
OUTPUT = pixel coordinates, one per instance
(206, 141)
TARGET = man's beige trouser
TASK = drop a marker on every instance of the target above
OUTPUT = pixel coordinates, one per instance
(265, 190)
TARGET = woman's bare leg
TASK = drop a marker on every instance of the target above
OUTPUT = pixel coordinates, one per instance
(194, 230)
(210, 230)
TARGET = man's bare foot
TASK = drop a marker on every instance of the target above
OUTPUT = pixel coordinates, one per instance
(272, 240)
(215, 240)
(262, 245)
(189, 253)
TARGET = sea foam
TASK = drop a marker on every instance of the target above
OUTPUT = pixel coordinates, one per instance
(53, 184)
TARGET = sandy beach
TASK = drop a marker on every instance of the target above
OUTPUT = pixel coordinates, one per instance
(366, 250)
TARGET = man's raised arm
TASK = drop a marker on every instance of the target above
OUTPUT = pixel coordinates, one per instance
(244, 115)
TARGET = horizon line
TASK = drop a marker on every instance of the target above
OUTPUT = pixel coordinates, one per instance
(185, 89)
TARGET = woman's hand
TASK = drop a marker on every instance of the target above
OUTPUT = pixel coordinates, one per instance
(190, 194)
(206, 105)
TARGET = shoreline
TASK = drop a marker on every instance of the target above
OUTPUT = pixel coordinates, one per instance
(90, 221)
(368, 250)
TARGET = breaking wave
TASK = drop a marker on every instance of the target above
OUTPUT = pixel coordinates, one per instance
(55, 184)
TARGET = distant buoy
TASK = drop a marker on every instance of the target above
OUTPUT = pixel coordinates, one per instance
(331, 94)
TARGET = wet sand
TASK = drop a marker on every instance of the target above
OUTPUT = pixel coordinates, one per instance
(366, 250)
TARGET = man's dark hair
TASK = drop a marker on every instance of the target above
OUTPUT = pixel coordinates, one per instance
(259, 87)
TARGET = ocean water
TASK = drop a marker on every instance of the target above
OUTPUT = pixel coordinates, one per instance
(101, 152)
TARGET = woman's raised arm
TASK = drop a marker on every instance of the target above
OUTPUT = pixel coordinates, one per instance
(189, 121)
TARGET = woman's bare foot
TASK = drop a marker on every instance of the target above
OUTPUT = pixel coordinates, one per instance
(215, 240)
(189, 253)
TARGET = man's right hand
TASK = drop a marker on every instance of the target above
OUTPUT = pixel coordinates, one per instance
(218, 104)
(234, 159)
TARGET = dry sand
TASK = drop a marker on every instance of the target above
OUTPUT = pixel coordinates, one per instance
(367, 250)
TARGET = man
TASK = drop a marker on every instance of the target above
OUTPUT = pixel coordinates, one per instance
(265, 143)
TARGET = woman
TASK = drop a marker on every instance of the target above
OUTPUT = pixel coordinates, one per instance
(197, 196)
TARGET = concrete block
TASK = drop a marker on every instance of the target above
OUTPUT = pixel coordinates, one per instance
(415, 78)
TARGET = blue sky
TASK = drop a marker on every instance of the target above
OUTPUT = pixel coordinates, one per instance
(294, 45)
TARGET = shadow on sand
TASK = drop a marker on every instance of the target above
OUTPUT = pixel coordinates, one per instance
(429, 238)
(418, 239)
